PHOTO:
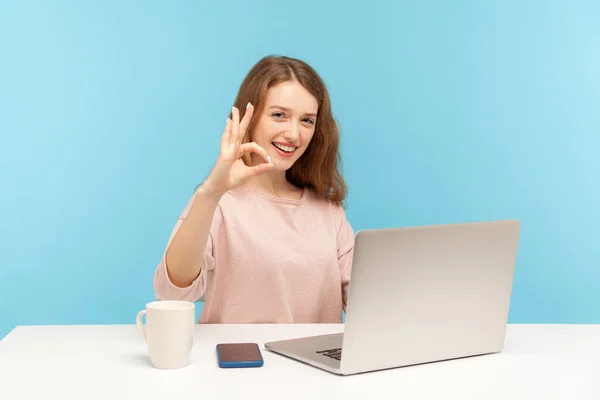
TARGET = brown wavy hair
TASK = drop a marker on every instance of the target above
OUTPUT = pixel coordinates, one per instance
(319, 168)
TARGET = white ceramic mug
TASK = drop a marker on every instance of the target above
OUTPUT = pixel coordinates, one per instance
(169, 332)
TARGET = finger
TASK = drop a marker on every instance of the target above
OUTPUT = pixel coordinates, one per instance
(252, 147)
(246, 120)
(259, 169)
(235, 118)
(226, 137)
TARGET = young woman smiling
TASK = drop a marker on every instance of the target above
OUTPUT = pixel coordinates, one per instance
(265, 238)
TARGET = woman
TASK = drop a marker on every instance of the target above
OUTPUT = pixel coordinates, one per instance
(265, 238)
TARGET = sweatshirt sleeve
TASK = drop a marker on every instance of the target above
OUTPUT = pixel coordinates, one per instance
(345, 250)
(164, 289)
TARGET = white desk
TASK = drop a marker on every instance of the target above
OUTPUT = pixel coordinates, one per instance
(111, 362)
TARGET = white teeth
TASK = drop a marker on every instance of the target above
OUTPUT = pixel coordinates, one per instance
(284, 148)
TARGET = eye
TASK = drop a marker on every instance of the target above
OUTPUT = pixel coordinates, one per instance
(277, 114)
(309, 120)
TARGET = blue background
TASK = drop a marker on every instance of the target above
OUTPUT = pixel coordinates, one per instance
(111, 112)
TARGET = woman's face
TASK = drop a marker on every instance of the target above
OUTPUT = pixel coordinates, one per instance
(287, 123)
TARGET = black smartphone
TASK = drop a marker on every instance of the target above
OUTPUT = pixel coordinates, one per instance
(239, 355)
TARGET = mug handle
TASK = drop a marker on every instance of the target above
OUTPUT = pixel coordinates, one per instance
(138, 321)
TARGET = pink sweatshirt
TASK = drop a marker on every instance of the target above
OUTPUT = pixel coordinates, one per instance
(269, 260)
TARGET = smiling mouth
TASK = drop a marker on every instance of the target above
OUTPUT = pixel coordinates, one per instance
(285, 149)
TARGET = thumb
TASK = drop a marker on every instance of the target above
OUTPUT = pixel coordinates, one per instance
(260, 169)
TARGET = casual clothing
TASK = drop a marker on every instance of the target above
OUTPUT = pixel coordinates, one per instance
(269, 260)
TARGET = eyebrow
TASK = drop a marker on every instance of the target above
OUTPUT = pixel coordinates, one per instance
(289, 111)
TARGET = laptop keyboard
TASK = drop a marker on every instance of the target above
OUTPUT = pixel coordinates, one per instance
(333, 353)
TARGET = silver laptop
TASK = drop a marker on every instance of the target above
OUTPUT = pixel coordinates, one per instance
(419, 295)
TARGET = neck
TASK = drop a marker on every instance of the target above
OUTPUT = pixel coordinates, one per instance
(272, 182)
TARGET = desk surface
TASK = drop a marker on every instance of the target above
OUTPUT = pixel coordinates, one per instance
(111, 362)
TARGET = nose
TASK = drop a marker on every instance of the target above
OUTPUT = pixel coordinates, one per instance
(292, 134)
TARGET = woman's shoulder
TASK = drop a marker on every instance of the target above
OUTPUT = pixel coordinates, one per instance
(323, 201)
(336, 210)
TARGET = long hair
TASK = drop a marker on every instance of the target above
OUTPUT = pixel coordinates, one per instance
(319, 168)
